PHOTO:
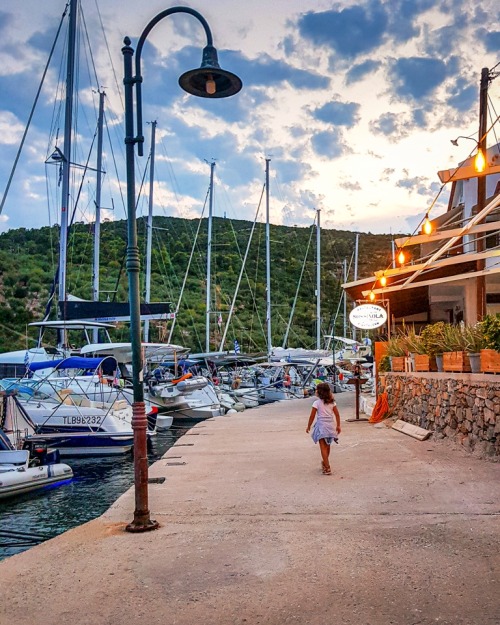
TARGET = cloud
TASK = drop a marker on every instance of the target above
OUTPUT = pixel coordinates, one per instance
(417, 184)
(350, 185)
(359, 71)
(5, 22)
(338, 113)
(417, 77)
(463, 95)
(492, 41)
(328, 144)
(364, 27)
(348, 32)
(395, 126)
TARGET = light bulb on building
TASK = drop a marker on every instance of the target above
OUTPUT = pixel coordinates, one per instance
(371, 296)
(427, 227)
(383, 281)
(479, 162)
(401, 257)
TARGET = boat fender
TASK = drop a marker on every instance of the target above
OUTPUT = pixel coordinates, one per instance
(186, 376)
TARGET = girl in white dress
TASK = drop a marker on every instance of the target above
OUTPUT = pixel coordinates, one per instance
(324, 410)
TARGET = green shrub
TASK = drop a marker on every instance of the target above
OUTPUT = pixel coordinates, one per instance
(491, 331)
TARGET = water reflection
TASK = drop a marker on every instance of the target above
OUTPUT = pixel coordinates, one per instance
(97, 483)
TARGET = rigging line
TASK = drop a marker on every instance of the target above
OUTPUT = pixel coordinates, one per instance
(30, 117)
(88, 47)
(253, 291)
(243, 265)
(110, 57)
(187, 269)
(292, 312)
(85, 168)
(492, 106)
(51, 236)
(115, 166)
(164, 264)
(120, 272)
(175, 190)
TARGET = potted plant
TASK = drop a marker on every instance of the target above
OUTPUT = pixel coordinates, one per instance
(490, 354)
(414, 346)
(396, 351)
(432, 341)
(454, 349)
(475, 342)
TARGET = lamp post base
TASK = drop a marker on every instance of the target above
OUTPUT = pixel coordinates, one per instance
(142, 523)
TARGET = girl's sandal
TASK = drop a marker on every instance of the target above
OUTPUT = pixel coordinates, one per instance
(327, 471)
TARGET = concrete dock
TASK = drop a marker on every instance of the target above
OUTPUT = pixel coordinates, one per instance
(404, 532)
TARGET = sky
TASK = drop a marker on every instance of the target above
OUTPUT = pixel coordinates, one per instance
(354, 103)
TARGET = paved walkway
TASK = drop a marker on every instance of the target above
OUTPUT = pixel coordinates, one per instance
(403, 533)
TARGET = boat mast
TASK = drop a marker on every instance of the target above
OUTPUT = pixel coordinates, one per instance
(318, 280)
(268, 264)
(356, 250)
(68, 123)
(97, 224)
(242, 270)
(149, 243)
(344, 297)
(209, 256)
(292, 312)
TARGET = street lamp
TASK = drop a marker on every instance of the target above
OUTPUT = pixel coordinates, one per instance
(208, 81)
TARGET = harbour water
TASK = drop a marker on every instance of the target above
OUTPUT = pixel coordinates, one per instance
(97, 483)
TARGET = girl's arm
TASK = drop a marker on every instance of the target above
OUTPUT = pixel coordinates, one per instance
(337, 418)
(311, 419)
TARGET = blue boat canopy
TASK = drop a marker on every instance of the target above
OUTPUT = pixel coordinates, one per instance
(73, 362)
(184, 362)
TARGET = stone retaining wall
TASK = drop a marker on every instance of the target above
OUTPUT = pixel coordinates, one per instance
(463, 407)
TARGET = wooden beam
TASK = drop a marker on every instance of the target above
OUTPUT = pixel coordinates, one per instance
(439, 235)
(412, 430)
(450, 260)
(464, 172)
(415, 285)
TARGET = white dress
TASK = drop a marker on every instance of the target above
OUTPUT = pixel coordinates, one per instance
(323, 426)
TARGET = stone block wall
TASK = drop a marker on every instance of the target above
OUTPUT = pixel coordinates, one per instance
(463, 407)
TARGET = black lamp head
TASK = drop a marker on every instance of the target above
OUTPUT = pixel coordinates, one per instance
(209, 80)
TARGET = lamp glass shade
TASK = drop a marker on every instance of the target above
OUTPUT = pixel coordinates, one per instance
(210, 80)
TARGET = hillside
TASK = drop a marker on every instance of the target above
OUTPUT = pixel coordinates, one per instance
(28, 263)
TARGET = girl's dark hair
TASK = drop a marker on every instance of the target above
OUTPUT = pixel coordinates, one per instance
(325, 392)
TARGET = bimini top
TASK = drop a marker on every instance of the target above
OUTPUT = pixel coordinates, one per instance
(75, 324)
(74, 362)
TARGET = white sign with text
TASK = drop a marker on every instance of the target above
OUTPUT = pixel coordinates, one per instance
(368, 316)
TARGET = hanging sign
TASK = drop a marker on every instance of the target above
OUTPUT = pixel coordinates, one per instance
(368, 316)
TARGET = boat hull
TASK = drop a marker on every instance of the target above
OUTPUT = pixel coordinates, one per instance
(80, 444)
(17, 482)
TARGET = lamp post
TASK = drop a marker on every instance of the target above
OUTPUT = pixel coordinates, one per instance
(208, 81)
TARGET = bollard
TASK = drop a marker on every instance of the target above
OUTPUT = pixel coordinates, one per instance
(357, 382)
